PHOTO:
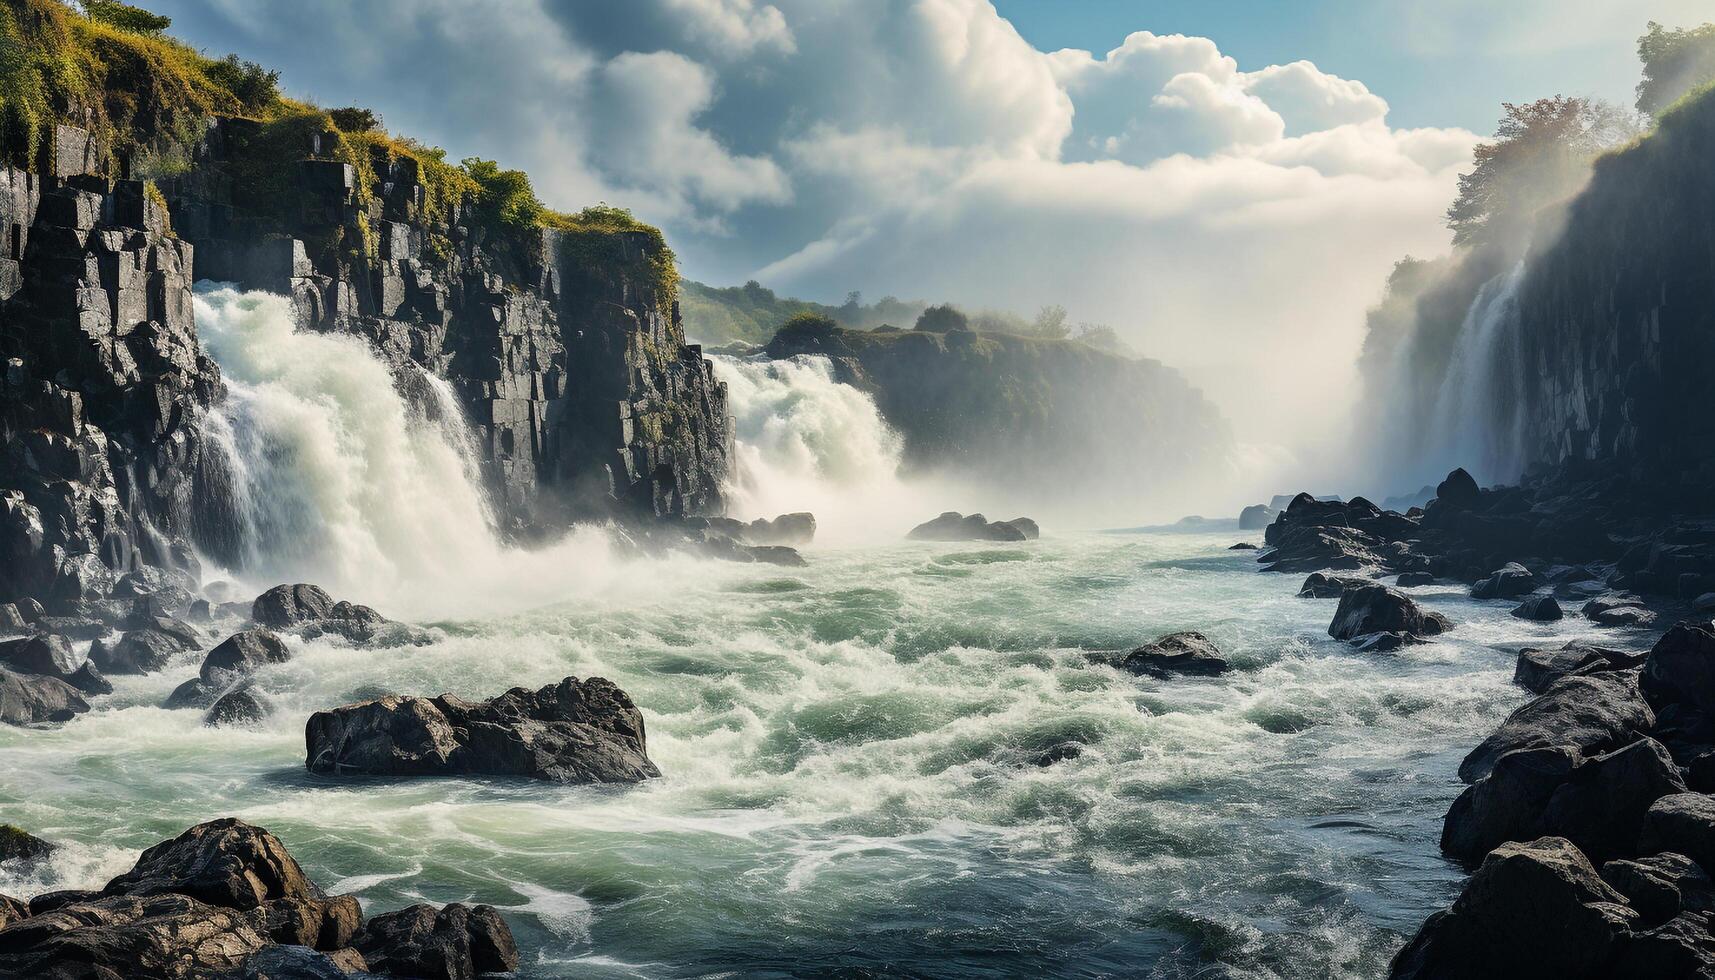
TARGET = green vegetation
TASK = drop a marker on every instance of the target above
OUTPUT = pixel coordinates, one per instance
(945, 318)
(1674, 63)
(752, 312)
(126, 17)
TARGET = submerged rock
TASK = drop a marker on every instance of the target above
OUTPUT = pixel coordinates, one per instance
(1177, 653)
(1539, 608)
(1323, 586)
(953, 526)
(243, 706)
(571, 732)
(1507, 582)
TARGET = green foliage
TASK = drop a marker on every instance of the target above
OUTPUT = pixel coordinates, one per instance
(126, 17)
(601, 235)
(355, 119)
(256, 88)
(153, 193)
(504, 196)
(945, 318)
(1050, 323)
(752, 312)
(1674, 63)
(1541, 154)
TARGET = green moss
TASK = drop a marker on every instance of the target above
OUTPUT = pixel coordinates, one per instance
(153, 193)
(597, 235)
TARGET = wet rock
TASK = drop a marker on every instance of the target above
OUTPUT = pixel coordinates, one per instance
(1375, 608)
(1411, 579)
(1532, 910)
(237, 708)
(1539, 608)
(457, 942)
(241, 655)
(140, 651)
(1598, 803)
(1322, 586)
(777, 555)
(31, 699)
(318, 923)
(301, 963)
(1459, 491)
(1538, 669)
(1683, 823)
(224, 862)
(953, 526)
(1507, 582)
(1242, 546)
(11, 910)
(40, 654)
(17, 844)
(1177, 653)
(1025, 526)
(1591, 714)
(572, 732)
(285, 606)
(793, 530)
(1680, 947)
(162, 935)
(1624, 616)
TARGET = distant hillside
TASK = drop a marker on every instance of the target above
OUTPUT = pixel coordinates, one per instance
(752, 312)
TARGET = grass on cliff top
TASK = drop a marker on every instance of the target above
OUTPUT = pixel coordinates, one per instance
(139, 91)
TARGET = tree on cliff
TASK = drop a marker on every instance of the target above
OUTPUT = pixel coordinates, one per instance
(945, 318)
(1675, 62)
(1540, 156)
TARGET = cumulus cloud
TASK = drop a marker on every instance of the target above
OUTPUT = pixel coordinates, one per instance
(1232, 220)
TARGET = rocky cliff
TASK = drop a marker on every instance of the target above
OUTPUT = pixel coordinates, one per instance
(131, 167)
(1057, 415)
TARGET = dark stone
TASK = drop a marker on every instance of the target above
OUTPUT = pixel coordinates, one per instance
(1680, 668)
(1539, 608)
(1538, 669)
(142, 651)
(1532, 911)
(241, 707)
(150, 936)
(31, 699)
(1242, 546)
(1256, 517)
(1592, 714)
(242, 654)
(17, 844)
(1459, 491)
(1410, 579)
(953, 526)
(1177, 653)
(43, 654)
(1375, 608)
(302, 963)
(226, 862)
(572, 732)
(1321, 586)
(1661, 886)
(1508, 582)
(285, 606)
(1684, 824)
(794, 530)
(457, 942)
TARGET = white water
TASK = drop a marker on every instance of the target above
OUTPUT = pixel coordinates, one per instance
(1477, 421)
(343, 481)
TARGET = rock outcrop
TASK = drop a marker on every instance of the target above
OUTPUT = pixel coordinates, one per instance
(1189, 653)
(954, 526)
(1369, 611)
(226, 899)
(571, 732)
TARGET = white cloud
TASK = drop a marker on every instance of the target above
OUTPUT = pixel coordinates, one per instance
(735, 26)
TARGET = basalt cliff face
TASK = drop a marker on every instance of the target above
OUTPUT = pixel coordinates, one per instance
(130, 175)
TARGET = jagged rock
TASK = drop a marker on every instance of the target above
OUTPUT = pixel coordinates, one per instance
(1660, 886)
(1242, 546)
(242, 706)
(1539, 608)
(1598, 803)
(777, 555)
(1532, 910)
(153, 936)
(316, 923)
(1621, 616)
(1683, 823)
(224, 862)
(302, 963)
(1507, 582)
(241, 655)
(953, 526)
(43, 653)
(1538, 669)
(31, 699)
(11, 910)
(1375, 608)
(1177, 653)
(143, 651)
(285, 606)
(456, 942)
(1680, 669)
(1256, 517)
(1322, 586)
(17, 844)
(1410, 579)
(572, 732)
(1680, 947)
(1592, 714)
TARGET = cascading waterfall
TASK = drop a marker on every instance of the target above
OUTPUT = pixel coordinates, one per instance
(338, 478)
(1477, 420)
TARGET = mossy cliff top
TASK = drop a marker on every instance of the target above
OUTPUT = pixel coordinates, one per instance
(147, 99)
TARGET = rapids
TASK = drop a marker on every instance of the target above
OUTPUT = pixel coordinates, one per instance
(857, 754)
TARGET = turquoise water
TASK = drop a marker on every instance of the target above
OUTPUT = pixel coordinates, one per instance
(851, 782)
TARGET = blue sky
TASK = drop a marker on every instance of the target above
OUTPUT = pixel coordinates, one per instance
(1437, 62)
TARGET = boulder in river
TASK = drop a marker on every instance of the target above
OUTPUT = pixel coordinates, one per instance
(1256, 517)
(1539, 608)
(1533, 911)
(32, 699)
(571, 732)
(17, 844)
(1177, 653)
(1507, 582)
(241, 706)
(450, 943)
(1375, 608)
(145, 650)
(1680, 669)
(954, 526)
(1408, 580)
(793, 530)
(49, 655)
(1320, 585)
(1538, 669)
(311, 612)
(286, 606)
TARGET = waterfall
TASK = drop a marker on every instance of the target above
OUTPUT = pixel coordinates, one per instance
(336, 477)
(1477, 419)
